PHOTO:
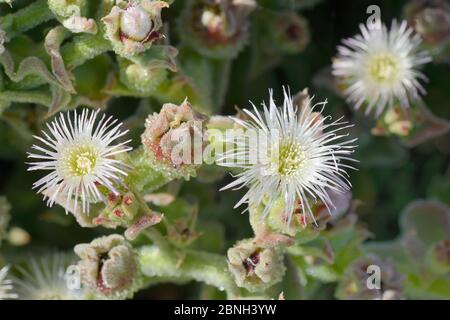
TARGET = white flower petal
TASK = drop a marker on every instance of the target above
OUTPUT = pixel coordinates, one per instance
(310, 160)
(379, 67)
(79, 153)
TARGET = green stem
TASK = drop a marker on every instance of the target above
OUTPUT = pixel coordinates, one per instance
(30, 96)
(162, 261)
(200, 266)
(222, 69)
(26, 18)
(83, 48)
(158, 239)
(144, 177)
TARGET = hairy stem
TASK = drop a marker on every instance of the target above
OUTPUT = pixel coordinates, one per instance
(145, 176)
(192, 265)
(26, 18)
(83, 48)
(222, 69)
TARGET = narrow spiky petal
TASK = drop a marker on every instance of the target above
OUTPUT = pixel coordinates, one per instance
(6, 285)
(46, 278)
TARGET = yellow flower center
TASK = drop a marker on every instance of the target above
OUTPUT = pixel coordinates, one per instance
(291, 157)
(82, 160)
(383, 68)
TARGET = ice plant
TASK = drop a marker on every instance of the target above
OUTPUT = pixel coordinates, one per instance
(80, 156)
(6, 285)
(176, 70)
(379, 67)
(290, 31)
(299, 157)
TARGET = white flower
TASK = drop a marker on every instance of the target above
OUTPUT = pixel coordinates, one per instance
(46, 278)
(6, 285)
(79, 155)
(298, 157)
(380, 67)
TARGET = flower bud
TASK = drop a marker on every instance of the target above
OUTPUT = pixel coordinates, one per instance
(108, 265)
(431, 19)
(395, 121)
(255, 267)
(132, 27)
(141, 78)
(356, 284)
(144, 73)
(174, 139)
(130, 205)
(135, 23)
(401, 128)
(124, 211)
(18, 237)
(289, 32)
(113, 199)
(121, 210)
(307, 226)
(304, 225)
(216, 28)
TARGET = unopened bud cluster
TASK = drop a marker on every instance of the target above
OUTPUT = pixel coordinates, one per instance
(108, 266)
(132, 26)
(217, 28)
(174, 138)
(126, 211)
(255, 267)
